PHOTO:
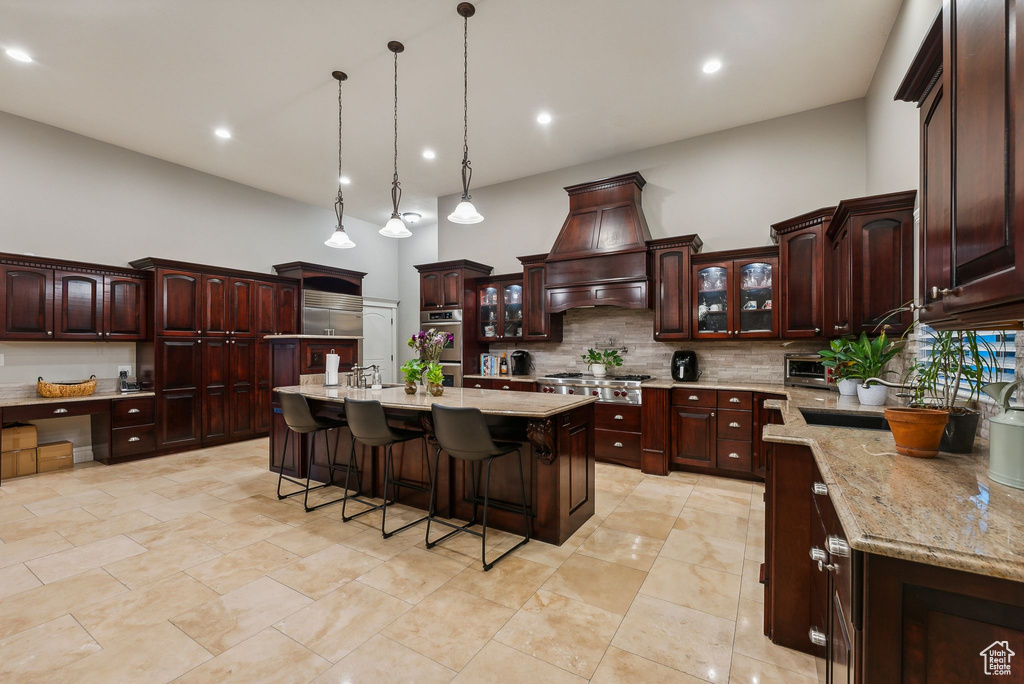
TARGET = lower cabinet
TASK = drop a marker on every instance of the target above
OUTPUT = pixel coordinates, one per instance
(179, 394)
(242, 387)
(617, 434)
(261, 399)
(694, 434)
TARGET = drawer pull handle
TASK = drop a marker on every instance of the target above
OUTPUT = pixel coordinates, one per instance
(477, 385)
(818, 555)
(734, 400)
(134, 439)
(619, 418)
(60, 410)
(734, 424)
(819, 488)
(505, 387)
(733, 455)
(134, 411)
(617, 445)
(694, 397)
(837, 546)
(817, 637)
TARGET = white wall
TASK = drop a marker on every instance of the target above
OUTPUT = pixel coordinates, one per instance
(893, 145)
(421, 248)
(728, 186)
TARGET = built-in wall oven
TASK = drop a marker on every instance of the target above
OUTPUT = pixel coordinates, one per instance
(805, 370)
(447, 321)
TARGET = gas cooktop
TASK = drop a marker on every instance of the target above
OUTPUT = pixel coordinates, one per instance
(623, 389)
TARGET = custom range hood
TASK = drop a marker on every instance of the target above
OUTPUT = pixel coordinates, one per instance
(600, 255)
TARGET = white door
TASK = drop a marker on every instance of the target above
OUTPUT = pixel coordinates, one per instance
(379, 338)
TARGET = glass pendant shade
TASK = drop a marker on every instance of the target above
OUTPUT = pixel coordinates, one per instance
(340, 239)
(395, 228)
(465, 213)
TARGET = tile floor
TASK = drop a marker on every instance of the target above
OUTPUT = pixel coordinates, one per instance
(187, 568)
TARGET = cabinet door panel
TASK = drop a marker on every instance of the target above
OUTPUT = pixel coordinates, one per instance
(672, 297)
(535, 318)
(180, 300)
(884, 270)
(800, 260)
(179, 397)
(840, 282)
(216, 389)
(430, 290)
(935, 209)
(265, 308)
(694, 436)
(124, 308)
(287, 309)
(216, 306)
(754, 310)
(78, 304)
(243, 386)
(27, 302)
(451, 290)
(713, 300)
(240, 304)
(261, 408)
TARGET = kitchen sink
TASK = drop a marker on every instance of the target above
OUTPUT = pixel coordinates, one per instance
(848, 419)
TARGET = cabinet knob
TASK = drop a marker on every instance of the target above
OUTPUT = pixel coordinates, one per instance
(134, 410)
(817, 637)
(819, 488)
(817, 330)
(100, 334)
(477, 385)
(619, 418)
(617, 445)
(733, 454)
(693, 397)
(134, 439)
(837, 546)
(712, 414)
(505, 387)
(818, 555)
(734, 424)
(199, 332)
(49, 333)
(60, 410)
(939, 294)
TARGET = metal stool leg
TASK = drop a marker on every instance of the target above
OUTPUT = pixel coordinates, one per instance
(306, 489)
(389, 478)
(353, 465)
(330, 476)
(526, 513)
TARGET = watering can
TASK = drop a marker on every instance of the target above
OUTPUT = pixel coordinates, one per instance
(1006, 436)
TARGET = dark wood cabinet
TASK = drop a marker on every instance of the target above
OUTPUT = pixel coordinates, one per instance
(27, 302)
(430, 291)
(839, 283)
(242, 387)
(179, 391)
(78, 305)
(125, 308)
(216, 306)
(264, 308)
(444, 285)
(240, 307)
(216, 375)
(670, 297)
(179, 303)
(288, 305)
(803, 256)
(262, 390)
(499, 304)
(735, 294)
(694, 436)
(538, 324)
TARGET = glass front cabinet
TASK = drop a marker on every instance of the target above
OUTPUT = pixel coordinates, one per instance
(500, 310)
(736, 297)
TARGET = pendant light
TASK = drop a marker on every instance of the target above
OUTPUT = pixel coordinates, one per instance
(340, 238)
(395, 227)
(465, 212)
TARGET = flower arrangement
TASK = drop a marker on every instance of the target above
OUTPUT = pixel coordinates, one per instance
(430, 343)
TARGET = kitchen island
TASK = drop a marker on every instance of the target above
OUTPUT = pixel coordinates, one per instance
(557, 433)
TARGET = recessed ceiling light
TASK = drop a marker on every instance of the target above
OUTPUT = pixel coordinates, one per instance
(411, 217)
(428, 154)
(222, 133)
(19, 55)
(544, 118)
(344, 180)
(711, 66)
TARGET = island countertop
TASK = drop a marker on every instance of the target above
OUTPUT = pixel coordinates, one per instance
(490, 402)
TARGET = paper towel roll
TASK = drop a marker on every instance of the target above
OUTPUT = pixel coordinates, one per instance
(332, 368)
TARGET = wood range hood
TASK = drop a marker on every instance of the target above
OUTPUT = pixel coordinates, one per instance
(600, 256)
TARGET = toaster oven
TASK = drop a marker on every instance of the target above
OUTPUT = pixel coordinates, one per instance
(805, 370)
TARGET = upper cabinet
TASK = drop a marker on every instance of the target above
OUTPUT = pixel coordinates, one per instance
(735, 294)
(125, 307)
(965, 80)
(445, 285)
(78, 305)
(670, 296)
(872, 274)
(802, 259)
(180, 296)
(240, 304)
(287, 309)
(538, 324)
(27, 302)
(500, 307)
(264, 308)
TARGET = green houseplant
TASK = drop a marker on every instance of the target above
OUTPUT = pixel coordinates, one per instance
(412, 370)
(868, 358)
(598, 361)
(435, 379)
(837, 358)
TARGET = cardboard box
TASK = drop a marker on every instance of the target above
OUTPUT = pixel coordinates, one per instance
(8, 465)
(16, 436)
(54, 456)
(17, 463)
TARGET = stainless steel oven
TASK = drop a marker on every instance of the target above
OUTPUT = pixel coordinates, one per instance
(452, 374)
(805, 370)
(447, 321)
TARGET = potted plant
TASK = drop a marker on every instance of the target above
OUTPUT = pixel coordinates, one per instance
(435, 379)
(868, 359)
(429, 344)
(837, 358)
(412, 370)
(598, 362)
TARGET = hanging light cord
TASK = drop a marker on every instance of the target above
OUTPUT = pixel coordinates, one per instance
(339, 204)
(396, 187)
(467, 170)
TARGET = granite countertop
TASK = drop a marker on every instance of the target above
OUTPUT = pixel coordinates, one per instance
(507, 378)
(491, 402)
(97, 396)
(735, 386)
(943, 511)
(312, 337)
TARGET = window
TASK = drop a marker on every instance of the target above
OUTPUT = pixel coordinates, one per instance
(1000, 354)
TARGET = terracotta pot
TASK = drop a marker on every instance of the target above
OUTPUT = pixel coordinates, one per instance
(917, 431)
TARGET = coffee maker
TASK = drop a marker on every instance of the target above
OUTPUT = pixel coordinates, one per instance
(520, 362)
(684, 366)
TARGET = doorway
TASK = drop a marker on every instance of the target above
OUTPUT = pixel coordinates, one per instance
(379, 342)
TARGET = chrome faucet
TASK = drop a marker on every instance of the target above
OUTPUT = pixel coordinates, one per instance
(357, 377)
(908, 395)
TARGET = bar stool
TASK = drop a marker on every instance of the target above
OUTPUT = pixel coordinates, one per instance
(369, 426)
(300, 419)
(464, 435)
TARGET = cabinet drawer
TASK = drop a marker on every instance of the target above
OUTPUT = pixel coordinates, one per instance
(733, 455)
(128, 412)
(735, 400)
(620, 447)
(56, 410)
(314, 355)
(478, 383)
(694, 397)
(618, 417)
(736, 425)
(129, 441)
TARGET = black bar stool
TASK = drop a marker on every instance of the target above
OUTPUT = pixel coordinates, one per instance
(369, 426)
(300, 419)
(463, 434)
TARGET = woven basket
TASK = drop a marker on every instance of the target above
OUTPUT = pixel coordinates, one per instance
(58, 390)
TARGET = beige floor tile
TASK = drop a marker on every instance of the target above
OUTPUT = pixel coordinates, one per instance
(12, 513)
(80, 559)
(511, 582)
(316, 535)
(678, 476)
(182, 490)
(755, 528)
(134, 485)
(546, 554)
(719, 501)
(234, 617)
(558, 630)
(267, 657)
(751, 587)
(450, 626)
(664, 486)
(711, 552)
(121, 616)
(96, 530)
(412, 575)
(237, 535)
(644, 523)
(175, 530)
(749, 671)
(382, 660)
(26, 491)
(711, 591)
(616, 489)
(754, 552)
(631, 550)
(499, 663)
(16, 579)
(42, 604)
(28, 656)
(161, 562)
(179, 508)
(241, 566)
(622, 666)
(132, 502)
(696, 520)
(725, 484)
(751, 642)
(598, 583)
(605, 503)
(282, 511)
(156, 654)
(64, 503)
(324, 571)
(688, 640)
(337, 624)
(371, 543)
(36, 526)
(24, 550)
(657, 503)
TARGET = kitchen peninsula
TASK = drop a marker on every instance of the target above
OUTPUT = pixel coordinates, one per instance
(557, 433)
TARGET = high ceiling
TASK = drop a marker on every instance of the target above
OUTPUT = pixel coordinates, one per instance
(158, 76)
